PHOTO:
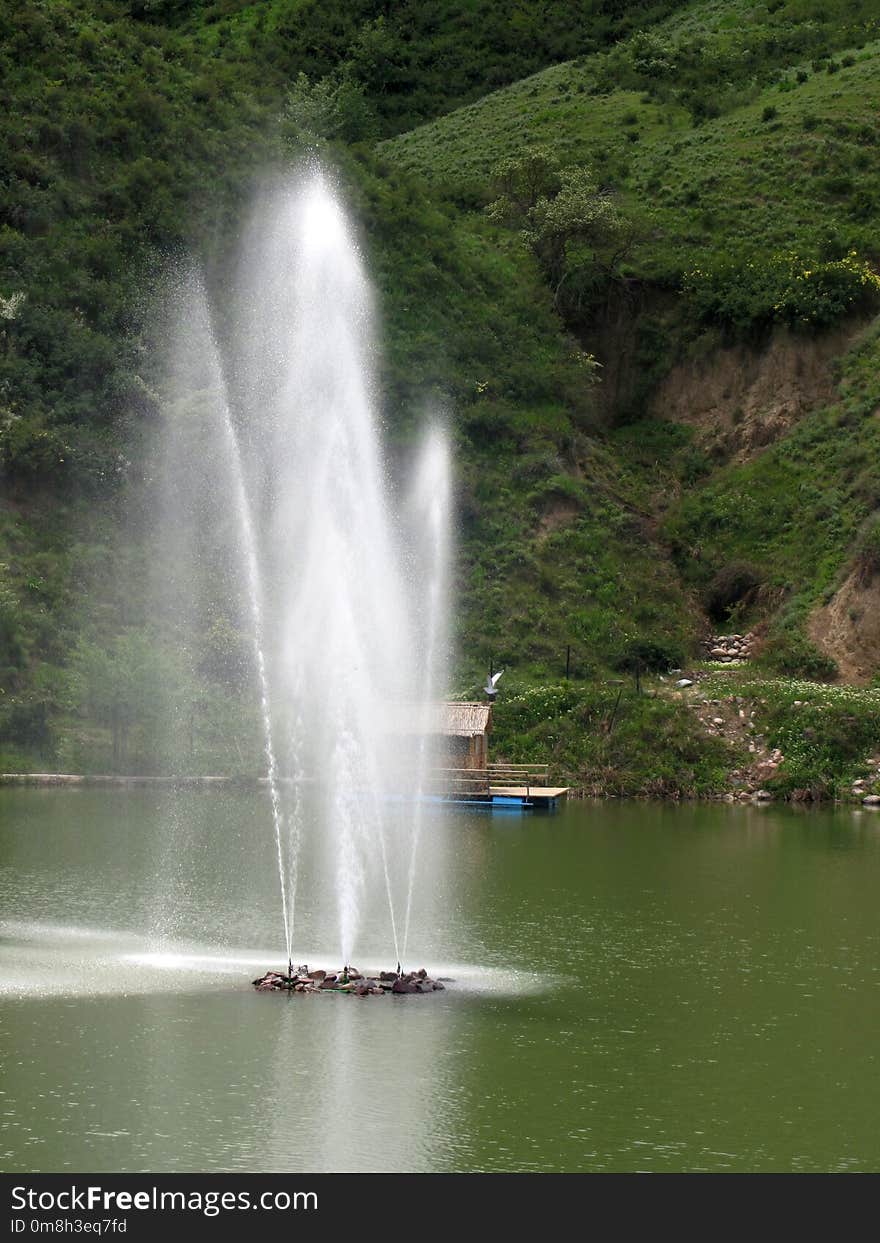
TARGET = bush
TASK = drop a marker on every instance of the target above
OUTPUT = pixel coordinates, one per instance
(749, 291)
(769, 113)
(25, 723)
(608, 740)
(649, 656)
(29, 449)
(824, 741)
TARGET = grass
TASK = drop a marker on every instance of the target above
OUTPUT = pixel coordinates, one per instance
(825, 733)
(605, 739)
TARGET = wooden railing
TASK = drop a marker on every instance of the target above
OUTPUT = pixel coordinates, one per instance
(520, 776)
(478, 782)
(461, 782)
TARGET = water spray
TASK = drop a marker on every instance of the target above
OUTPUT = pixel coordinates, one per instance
(304, 462)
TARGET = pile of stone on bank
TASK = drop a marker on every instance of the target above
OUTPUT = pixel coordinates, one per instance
(348, 980)
(729, 647)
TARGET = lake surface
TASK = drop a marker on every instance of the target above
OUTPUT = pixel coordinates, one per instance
(638, 987)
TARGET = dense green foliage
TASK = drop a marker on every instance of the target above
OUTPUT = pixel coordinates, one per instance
(610, 740)
(660, 177)
(751, 294)
(411, 60)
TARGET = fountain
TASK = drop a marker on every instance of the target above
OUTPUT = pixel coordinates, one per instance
(341, 585)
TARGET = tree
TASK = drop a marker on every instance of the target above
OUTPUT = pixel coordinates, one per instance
(328, 108)
(571, 223)
(519, 182)
(578, 226)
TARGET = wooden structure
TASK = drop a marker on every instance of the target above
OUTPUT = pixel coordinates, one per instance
(463, 772)
(497, 785)
(458, 732)
(464, 729)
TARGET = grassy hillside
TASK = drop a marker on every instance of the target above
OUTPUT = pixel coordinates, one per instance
(790, 160)
(735, 175)
(743, 138)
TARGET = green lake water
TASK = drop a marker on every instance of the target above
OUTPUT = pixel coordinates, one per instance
(637, 987)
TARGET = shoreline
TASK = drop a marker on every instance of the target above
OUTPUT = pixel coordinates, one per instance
(759, 798)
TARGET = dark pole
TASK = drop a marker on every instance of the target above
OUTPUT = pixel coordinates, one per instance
(614, 712)
(567, 661)
(638, 676)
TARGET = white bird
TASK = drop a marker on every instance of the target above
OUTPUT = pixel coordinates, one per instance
(491, 687)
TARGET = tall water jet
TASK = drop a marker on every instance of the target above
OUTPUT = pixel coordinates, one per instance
(345, 585)
(344, 650)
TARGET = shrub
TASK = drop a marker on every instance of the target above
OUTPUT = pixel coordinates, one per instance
(25, 722)
(608, 740)
(769, 113)
(29, 449)
(703, 109)
(750, 291)
(648, 655)
(824, 742)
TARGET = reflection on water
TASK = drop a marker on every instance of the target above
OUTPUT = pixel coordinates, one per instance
(637, 987)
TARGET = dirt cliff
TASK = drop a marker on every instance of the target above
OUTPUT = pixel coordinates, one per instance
(741, 398)
(847, 629)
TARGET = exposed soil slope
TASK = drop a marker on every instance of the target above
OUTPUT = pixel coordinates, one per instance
(848, 629)
(741, 399)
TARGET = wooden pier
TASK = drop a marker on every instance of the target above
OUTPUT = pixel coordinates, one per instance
(496, 785)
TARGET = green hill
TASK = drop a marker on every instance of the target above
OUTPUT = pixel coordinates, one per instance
(744, 138)
(708, 182)
(790, 160)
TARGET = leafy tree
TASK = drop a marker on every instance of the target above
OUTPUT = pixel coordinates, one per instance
(572, 224)
(519, 182)
(334, 107)
(579, 225)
